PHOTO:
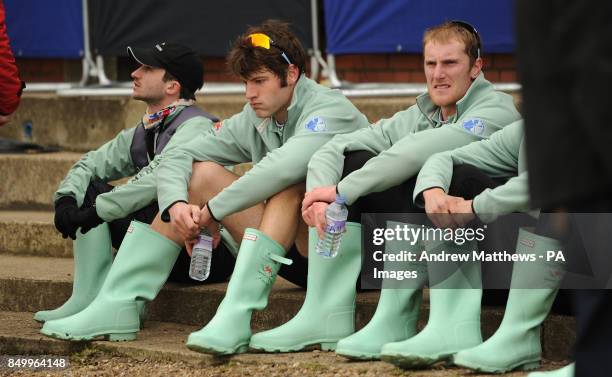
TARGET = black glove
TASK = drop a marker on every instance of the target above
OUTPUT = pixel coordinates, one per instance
(65, 207)
(87, 218)
(69, 218)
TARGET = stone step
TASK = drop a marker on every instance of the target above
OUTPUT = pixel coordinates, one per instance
(32, 233)
(28, 284)
(163, 343)
(29, 180)
(85, 123)
(35, 283)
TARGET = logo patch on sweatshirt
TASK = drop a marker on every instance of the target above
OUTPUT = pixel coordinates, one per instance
(316, 124)
(474, 126)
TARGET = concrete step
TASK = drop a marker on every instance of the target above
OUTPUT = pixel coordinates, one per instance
(36, 283)
(85, 123)
(29, 180)
(32, 233)
(163, 343)
(28, 284)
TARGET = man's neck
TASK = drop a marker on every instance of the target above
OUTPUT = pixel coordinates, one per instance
(155, 107)
(281, 116)
(283, 113)
(447, 112)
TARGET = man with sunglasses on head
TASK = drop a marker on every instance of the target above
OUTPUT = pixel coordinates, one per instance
(167, 77)
(287, 118)
(374, 170)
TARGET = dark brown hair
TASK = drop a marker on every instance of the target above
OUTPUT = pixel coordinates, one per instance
(185, 93)
(244, 59)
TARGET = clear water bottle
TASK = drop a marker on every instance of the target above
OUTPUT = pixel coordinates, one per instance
(335, 215)
(201, 257)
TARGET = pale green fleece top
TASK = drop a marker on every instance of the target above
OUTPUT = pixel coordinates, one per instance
(280, 154)
(113, 161)
(502, 156)
(404, 142)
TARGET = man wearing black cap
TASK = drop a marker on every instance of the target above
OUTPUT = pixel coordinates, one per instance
(166, 80)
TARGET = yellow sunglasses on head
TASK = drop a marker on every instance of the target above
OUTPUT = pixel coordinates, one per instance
(264, 41)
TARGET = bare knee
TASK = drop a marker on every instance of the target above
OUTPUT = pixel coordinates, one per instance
(165, 229)
(292, 194)
(203, 172)
(207, 179)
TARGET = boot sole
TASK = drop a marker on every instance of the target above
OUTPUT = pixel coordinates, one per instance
(325, 346)
(242, 348)
(142, 321)
(520, 366)
(356, 355)
(414, 361)
(112, 337)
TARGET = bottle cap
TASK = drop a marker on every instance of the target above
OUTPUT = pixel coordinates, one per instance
(340, 199)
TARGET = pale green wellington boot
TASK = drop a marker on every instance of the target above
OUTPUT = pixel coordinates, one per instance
(257, 265)
(398, 307)
(93, 256)
(454, 313)
(328, 312)
(516, 344)
(566, 371)
(141, 267)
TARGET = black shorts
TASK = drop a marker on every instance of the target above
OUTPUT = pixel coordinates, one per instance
(223, 260)
(222, 263)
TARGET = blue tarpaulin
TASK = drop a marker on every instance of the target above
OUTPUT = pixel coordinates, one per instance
(385, 26)
(45, 29)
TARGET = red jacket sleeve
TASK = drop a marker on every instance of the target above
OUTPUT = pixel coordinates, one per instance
(10, 84)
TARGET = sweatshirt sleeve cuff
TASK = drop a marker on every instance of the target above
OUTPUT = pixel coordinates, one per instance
(419, 200)
(211, 213)
(486, 215)
(165, 215)
(350, 197)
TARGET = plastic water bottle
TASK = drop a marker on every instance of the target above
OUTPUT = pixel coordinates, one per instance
(336, 215)
(201, 257)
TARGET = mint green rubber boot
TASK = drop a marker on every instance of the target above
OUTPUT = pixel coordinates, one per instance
(454, 313)
(141, 267)
(398, 307)
(257, 265)
(566, 371)
(93, 256)
(516, 344)
(328, 312)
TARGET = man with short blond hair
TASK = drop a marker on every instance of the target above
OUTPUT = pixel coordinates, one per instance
(374, 170)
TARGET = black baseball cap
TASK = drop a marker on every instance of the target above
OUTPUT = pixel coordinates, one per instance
(178, 60)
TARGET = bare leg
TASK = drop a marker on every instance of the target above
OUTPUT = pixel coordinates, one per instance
(165, 229)
(280, 218)
(209, 179)
(301, 239)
